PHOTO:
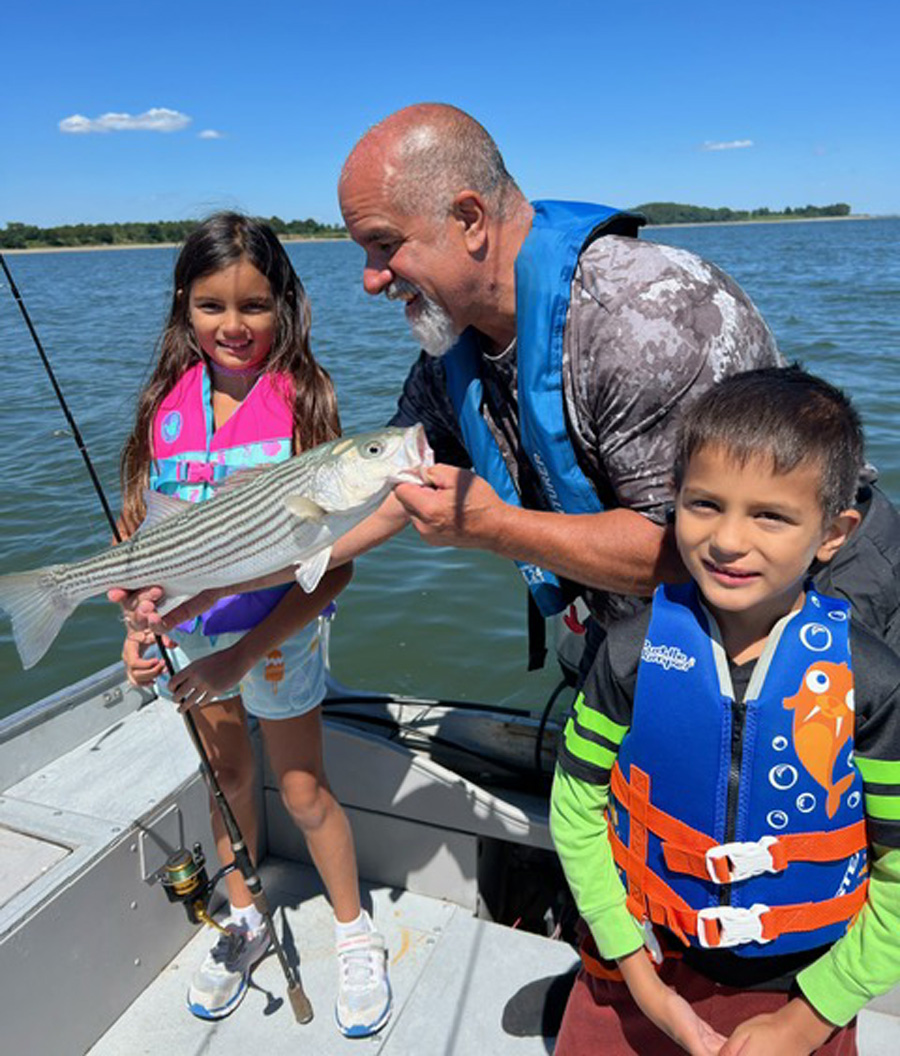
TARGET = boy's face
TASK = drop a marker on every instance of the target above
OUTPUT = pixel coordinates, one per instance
(748, 535)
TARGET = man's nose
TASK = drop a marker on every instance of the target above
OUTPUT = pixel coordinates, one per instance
(376, 279)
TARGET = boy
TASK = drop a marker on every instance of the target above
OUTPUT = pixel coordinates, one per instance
(708, 760)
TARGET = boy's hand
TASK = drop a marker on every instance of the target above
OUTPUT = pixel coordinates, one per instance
(671, 1013)
(199, 682)
(795, 1030)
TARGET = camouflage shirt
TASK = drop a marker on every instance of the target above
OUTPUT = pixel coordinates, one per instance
(649, 328)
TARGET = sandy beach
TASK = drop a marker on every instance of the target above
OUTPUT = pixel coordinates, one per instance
(146, 245)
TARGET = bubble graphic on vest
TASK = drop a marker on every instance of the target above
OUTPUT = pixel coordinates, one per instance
(816, 637)
(779, 743)
(853, 799)
(806, 802)
(783, 776)
(171, 427)
(838, 615)
(776, 819)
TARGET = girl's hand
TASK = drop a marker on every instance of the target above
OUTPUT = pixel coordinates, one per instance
(794, 1030)
(667, 1010)
(139, 669)
(200, 682)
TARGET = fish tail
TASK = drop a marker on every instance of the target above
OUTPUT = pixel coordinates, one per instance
(835, 793)
(38, 608)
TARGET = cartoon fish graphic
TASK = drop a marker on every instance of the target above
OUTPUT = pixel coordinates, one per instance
(823, 723)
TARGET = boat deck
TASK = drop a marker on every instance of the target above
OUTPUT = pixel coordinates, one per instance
(455, 981)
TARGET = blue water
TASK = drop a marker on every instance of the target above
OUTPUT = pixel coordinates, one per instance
(416, 620)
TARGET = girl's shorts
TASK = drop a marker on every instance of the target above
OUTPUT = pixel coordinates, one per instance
(288, 682)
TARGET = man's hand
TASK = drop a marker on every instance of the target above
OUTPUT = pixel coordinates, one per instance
(459, 509)
(794, 1030)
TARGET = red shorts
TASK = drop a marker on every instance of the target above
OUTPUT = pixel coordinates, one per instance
(601, 1019)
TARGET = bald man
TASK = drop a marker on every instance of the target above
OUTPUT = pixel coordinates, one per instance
(558, 353)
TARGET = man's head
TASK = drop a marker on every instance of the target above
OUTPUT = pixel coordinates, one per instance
(427, 195)
(766, 470)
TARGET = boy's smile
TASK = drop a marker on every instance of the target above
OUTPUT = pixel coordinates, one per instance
(748, 537)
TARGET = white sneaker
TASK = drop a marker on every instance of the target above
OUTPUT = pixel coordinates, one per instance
(363, 1004)
(219, 984)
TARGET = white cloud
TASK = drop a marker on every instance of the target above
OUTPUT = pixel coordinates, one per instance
(210, 133)
(157, 119)
(734, 144)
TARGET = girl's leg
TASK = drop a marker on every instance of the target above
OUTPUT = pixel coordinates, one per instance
(223, 730)
(294, 747)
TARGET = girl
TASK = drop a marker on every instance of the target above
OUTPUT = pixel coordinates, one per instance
(236, 385)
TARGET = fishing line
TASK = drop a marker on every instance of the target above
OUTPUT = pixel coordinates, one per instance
(299, 1001)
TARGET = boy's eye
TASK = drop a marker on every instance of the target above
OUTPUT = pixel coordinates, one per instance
(772, 516)
(702, 504)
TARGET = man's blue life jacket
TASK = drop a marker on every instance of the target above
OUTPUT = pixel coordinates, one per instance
(545, 266)
(740, 823)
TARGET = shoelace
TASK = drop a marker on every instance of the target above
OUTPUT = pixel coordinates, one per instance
(359, 966)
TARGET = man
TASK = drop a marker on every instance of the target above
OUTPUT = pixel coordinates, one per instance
(559, 351)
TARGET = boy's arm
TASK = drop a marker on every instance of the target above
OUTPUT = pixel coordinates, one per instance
(215, 674)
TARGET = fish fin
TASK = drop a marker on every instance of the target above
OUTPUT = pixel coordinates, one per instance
(240, 477)
(166, 604)
(304, 509)
(834, 794)
(309, 572)
(160, 508)
(37, 608)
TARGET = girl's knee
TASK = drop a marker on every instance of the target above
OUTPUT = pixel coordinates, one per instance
(307, 800)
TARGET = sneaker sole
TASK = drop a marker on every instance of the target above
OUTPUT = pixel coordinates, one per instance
(202, 1012)
(364, 1030)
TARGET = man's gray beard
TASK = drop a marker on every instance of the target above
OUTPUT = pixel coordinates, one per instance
(432, 327)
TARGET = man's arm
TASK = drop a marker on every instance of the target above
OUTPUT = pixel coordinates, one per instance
(619, 550)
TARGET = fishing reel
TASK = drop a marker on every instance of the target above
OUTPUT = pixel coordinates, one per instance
(184, 879)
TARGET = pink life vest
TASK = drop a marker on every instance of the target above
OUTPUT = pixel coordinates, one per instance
(190, 456)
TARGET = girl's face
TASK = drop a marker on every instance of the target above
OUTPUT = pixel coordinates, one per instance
(232, 313)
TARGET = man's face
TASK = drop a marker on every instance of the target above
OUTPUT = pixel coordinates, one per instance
(413, 258)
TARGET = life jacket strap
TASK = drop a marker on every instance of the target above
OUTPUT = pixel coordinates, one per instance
(723, 926)
(687, 850)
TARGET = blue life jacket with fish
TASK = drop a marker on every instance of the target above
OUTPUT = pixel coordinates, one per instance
(191, 456)
(544, 269)
(741, 824)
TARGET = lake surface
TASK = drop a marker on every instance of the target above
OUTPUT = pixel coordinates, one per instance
(438, 623)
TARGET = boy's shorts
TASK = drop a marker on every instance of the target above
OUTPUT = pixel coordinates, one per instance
(604, 1009)
(287, 683)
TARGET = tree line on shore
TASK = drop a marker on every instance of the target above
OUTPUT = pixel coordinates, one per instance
(30, 236)
(153, 232)
(675, 213)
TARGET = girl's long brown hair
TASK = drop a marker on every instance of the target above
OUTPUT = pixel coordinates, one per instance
(218, 242)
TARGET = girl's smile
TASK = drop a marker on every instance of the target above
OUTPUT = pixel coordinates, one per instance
(232, 313)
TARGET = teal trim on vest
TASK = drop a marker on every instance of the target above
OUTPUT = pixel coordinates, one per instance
(779, 762)
(545, 267)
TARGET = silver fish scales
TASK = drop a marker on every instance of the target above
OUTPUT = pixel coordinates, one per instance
(265, 520)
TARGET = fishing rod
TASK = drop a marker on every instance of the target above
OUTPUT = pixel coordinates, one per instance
(184, 875)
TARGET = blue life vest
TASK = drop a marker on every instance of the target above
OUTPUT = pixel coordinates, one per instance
(545, 267)
(778, 793)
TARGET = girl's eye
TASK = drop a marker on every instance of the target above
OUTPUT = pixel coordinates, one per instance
(255, 307)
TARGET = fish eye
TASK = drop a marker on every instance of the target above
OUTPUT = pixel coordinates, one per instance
(818, 682)
(373, 449)
(850, 700)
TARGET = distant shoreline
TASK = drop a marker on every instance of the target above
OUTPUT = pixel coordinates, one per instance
(346, 238)
(152, 245)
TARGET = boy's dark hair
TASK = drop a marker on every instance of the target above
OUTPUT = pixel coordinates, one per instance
(785, 414)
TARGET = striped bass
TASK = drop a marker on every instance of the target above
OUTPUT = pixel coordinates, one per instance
(260, 521)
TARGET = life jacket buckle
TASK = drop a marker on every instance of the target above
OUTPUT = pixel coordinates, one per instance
(721, 926)
(729, 862)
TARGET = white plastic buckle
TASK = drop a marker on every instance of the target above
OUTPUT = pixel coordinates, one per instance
(745, 859)
(736, 925)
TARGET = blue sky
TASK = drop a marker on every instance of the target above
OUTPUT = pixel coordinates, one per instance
(619, 102)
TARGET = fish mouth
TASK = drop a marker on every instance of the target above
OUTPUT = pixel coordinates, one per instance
(419, 457)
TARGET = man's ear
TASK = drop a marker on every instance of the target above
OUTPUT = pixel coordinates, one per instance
(469, 212)
(839, 531)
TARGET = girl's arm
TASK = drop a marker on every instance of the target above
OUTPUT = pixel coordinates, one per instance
(217, 673)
